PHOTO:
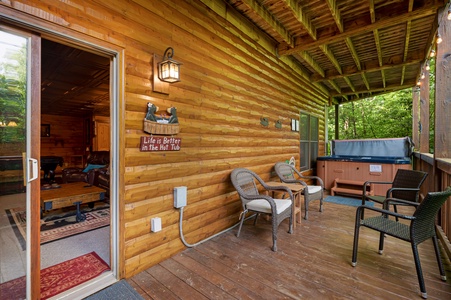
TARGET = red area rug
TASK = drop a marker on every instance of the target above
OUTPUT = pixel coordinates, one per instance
(58, 278)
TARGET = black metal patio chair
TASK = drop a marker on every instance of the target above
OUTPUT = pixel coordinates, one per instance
(288, 174)
(405, 186)
(420, 229)
(244, 181)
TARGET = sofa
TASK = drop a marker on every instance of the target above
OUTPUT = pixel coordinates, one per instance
(96, 171)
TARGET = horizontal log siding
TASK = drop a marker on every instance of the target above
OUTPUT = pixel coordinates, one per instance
(231, 77)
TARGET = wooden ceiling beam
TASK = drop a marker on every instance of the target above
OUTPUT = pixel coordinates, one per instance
(335, 86)
(356, 58)
(335, 14)
(374, 90)
(379, 53)
(403, 73)
(406, 43)
(311, 62)
(260, 10)
(349, 83)
(365, 81)
(407, 40)
(372, 11)
(358, 29)
(319, 78)
(377, 40)
(337, 65)
(362, 96)
(354, 54)
(302, 18)
(406, 48)
(326, 50)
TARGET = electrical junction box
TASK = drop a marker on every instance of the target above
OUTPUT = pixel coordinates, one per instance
(180, 196)
(155, 224)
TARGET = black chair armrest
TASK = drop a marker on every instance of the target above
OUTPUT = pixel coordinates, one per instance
(391, 190)
(361, 208)
(394, 201)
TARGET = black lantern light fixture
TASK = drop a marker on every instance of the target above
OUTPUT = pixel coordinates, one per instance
(169, 69)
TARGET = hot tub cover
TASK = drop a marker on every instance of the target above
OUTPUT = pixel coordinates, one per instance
(393, 147)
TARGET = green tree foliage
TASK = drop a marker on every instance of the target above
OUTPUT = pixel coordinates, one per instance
(13, 96)
(385, 116)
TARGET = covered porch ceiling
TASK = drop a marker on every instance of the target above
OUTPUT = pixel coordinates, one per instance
(354, 49)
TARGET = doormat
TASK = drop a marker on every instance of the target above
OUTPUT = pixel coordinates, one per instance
(60, 224)
(347, 201)
(58, 278)
(121, 290)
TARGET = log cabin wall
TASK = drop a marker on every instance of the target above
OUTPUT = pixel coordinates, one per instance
(231, 77)
(65, 140)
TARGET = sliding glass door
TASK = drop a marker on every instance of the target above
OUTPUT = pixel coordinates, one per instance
(19, 172)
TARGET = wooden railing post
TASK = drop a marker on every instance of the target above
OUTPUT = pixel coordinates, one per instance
(415, 118)
(424, 113)
(442, 143)
(442, 136)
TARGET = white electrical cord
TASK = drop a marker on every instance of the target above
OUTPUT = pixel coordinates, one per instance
(204, 240)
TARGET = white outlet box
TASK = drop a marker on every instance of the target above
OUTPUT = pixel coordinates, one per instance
(180, 196)
(155, 224)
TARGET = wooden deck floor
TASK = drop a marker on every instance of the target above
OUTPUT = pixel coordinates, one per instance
(312, 263)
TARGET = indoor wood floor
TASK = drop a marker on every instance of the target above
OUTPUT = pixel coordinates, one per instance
(312, 263)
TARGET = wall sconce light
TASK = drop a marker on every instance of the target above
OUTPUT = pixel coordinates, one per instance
(165, 71)
(169, 69)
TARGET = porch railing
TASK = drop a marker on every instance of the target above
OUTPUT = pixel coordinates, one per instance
(439, 179)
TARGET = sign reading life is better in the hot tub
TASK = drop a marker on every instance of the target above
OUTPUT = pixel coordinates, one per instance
(160, 143)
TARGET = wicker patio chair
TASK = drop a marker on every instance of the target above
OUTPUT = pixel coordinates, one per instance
(420, 229)
(405, 186)
(286, 173)
(244, 181)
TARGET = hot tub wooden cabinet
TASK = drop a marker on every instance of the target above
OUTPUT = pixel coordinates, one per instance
(366, 159)
(360, 169)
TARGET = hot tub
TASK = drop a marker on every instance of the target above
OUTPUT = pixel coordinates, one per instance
(363, 160)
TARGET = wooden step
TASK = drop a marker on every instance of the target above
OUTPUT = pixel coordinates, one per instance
(351, 187)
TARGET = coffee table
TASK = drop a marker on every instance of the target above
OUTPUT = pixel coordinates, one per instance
(71, 194)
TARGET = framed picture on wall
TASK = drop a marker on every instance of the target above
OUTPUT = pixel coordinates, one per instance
(45, 130)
